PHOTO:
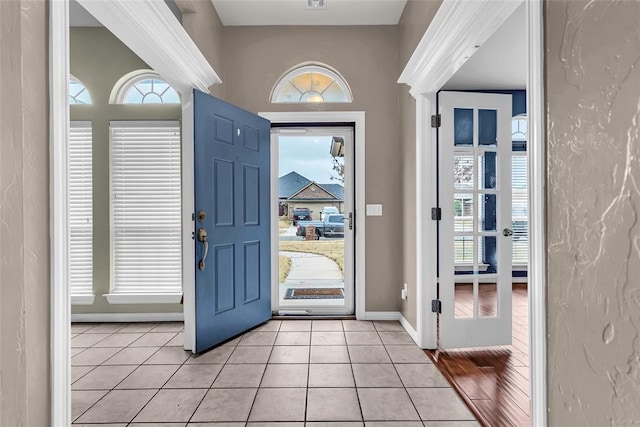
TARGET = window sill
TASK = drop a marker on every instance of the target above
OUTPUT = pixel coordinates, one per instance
(143, 298)
(83, 299)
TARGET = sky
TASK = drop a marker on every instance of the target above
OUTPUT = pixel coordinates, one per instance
(307, 155)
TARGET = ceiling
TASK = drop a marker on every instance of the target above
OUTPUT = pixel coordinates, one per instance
(294, 12)
(501, 63)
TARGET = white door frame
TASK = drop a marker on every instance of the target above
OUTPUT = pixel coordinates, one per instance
(149, 28)
(456, 31)
(328, 117)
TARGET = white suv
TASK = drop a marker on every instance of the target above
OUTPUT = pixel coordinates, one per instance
(328, 210)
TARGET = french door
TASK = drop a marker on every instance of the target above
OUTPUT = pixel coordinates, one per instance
(475, 230)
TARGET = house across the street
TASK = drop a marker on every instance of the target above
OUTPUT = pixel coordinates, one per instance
(296, 191)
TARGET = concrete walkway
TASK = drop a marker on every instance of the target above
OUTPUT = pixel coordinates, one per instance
(311, 271)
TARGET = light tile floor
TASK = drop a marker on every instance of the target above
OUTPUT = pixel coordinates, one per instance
(282, 373)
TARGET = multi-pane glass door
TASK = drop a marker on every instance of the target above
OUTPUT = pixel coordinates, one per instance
(475, 231)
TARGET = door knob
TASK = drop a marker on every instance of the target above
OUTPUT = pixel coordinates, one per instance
(202, 237)
(507, 232)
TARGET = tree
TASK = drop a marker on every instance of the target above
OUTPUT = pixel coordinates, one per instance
(338, 168)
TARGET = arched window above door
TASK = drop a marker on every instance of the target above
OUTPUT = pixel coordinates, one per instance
(519, 128)
(143, 87)
(78, 93)
(311, 83)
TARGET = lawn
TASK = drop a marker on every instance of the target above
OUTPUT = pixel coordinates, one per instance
(333, 249)
(283, 225)
(284, 266)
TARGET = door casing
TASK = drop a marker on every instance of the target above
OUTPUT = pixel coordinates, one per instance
(327, 118)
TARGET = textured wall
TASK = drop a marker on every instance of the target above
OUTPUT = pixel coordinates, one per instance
(593, 93)
(367, 57)
(99, 60)
(415, 19)
(24, 215)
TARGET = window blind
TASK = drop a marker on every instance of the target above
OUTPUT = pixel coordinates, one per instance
(146, 210)
(520, 212)
(80, 226)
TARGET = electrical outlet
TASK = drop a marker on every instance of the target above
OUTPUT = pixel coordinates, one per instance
(405, 292)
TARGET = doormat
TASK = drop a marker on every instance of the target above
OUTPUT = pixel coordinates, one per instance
(314, 293)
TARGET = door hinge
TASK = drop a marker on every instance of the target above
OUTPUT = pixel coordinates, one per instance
(436, 121)
(436, 306)
(193, 216)
(436, 214)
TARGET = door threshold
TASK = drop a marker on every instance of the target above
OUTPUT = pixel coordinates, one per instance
(312, 317)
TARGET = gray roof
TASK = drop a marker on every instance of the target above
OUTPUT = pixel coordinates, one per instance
(290, 184)
(293, 182)
(335, 189)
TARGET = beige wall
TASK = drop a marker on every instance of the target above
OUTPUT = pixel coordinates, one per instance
(24, 215)
(201, 21)
(256, 57)
(593, 314)
(415, 19)
(99, 60)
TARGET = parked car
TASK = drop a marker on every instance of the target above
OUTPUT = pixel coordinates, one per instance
(327, 210)
(331, 226)
(301, 214)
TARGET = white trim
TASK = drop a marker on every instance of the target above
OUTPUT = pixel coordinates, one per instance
(60, 328)
(393, 315)
(275, 229)
(152, 32)
(357, 117)
(143, 298)
(188, 225)
(426, 229)
(126, 317)
(457, 30)
(83, 299)
(537, 207)
(381, 315)
(407, 327)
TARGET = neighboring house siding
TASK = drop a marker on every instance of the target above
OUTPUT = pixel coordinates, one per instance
(313, 192)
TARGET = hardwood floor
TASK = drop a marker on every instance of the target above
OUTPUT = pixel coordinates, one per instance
(494, 381)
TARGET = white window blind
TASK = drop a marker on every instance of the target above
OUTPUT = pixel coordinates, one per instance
(520, 212)
(146, 215)
(80, 187)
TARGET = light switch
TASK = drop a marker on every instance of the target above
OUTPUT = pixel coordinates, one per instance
(374, 210)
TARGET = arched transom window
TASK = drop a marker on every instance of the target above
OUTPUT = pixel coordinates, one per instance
(311, 83)
(519, 128)
(144, 87)
(78, 93)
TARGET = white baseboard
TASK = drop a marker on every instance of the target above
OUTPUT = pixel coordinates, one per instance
(382, 315)
(127, 317)
(393, 315)
(407, 327)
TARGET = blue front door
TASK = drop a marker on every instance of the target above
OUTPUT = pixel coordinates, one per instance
(232, 182)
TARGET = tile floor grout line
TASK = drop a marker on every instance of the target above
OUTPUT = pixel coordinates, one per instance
(136, 368)
(160, 388)
(355, 385)
(108, 390)
(265, 370)
(102, 364)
